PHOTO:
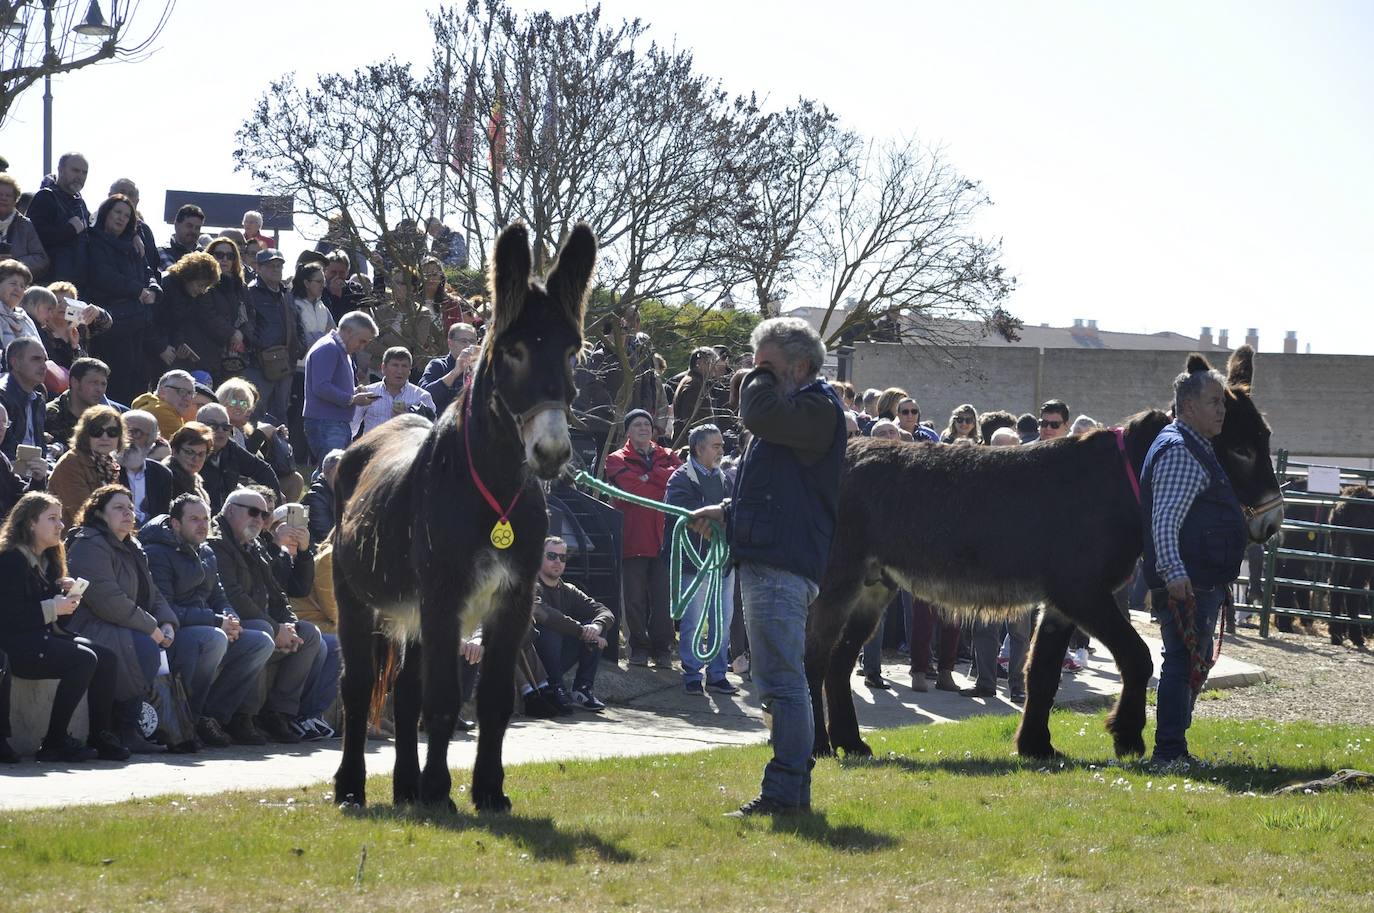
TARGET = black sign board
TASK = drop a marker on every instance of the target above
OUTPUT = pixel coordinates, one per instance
(225, 210)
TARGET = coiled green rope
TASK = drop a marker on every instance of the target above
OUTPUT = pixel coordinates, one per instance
(711, 567)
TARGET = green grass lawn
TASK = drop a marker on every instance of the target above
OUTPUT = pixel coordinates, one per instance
(943, 818)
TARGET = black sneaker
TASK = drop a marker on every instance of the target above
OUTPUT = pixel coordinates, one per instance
(762, 805)
(558, 698)
(210, 732)
(537, 707)
(244, 731)
(66, 749)
(693, 687)
(108, 747)
(722, 686)
(584, 699)
(876, 683)
(277, 728)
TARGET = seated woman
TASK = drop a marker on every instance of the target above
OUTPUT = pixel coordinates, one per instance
(33, 600)
(122, 608)
(269, 443)
(190, 448)
(90, 463)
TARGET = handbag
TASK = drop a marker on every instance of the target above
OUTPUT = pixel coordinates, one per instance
(169, 721)
(275, 362)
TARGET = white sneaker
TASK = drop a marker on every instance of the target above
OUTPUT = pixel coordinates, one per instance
(1082, 656)
(324, 729)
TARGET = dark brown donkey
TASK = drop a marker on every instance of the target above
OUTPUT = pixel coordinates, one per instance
(1056, 522)
(441, 528)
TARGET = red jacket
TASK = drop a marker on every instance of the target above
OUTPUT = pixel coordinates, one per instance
(627, 470)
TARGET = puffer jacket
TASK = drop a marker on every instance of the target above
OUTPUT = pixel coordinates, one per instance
(247, 578)
(121, 603)
(187, 575)
(118, 275)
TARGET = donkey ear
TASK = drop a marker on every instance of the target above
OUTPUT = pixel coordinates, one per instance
(510, 275)
(1240, 370)
(571, 274)
(1196, 363)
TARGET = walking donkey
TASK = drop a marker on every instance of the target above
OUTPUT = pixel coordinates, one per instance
(1057, 522)
(442, 527)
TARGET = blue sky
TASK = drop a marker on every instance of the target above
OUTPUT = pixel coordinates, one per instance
(1154, 166)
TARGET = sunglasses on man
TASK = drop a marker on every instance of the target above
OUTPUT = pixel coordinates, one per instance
(1051, 423)
(556, 556)
(257, 513)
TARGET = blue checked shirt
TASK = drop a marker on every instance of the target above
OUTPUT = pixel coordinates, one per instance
(1177, 479)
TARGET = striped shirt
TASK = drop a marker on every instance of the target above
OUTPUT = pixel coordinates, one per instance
(1177, 478)
(387, 407)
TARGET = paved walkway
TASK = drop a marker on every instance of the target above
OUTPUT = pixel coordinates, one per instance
(650, 715)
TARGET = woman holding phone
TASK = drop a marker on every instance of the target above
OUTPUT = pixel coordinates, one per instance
(36, 596)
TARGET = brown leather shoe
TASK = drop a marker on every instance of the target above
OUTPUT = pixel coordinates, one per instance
(945, 681)
(919, 682)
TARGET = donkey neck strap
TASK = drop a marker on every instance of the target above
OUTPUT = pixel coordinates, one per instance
(1126, 461)
(502, 535)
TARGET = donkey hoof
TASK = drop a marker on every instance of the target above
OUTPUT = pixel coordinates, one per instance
(497, 803)
(822, 750)
(405, 795)
(859, 749)
(1127, 745)
(350, 802)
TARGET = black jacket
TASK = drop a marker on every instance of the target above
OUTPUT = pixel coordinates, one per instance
(157, 488)
(319, 500)
(51, 212)
(432, 382)
(118, 276)
(222, 471)
(246, 574)
(23, 408)
(13, 486)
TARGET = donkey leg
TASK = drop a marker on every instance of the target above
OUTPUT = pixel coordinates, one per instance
(502, 636)
(355, 690)
(839, 692)
(824, 624)
(405, 784)
(1126, 722)
(1052, 635)
(439, 696)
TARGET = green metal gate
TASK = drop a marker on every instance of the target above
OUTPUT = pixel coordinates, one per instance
(1318, 531)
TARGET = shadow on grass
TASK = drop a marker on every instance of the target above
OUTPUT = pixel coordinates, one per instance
(815, 828)
(1229, 775)
(541, 837)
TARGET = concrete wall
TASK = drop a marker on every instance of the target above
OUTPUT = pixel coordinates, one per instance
(1320, 405)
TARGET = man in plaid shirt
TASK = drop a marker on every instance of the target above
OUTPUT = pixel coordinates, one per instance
(1194, 530)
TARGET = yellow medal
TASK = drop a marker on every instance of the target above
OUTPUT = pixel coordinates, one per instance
(502, 535)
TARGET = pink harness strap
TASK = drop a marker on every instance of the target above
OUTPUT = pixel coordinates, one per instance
(1126, 461)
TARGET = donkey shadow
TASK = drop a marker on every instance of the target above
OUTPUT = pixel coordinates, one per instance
(541, 837)
(814, 826)
(1233, 776)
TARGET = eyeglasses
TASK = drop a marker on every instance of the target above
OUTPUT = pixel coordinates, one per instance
(556, 556)
(238, 403)
(219, 426)
(1051, 423)
(223, 254)
(112, 431)
(182, 390)
(963, 420)
(908, 411)
(256, 513)
(193, 454)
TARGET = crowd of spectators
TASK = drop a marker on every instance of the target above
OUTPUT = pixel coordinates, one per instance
(171, 421)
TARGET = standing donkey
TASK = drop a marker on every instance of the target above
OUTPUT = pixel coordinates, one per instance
(441, 529)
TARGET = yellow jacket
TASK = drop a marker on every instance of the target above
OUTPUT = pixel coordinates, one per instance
(168, 420)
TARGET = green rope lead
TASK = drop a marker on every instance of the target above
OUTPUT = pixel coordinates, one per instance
(710, 574)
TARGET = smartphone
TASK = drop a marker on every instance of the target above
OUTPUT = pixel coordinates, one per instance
(75, 312)
(26, 452)
(297, 516)
(191, 355)
(78, 586)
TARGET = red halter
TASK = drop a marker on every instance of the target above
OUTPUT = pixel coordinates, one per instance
(1126, 461)
(496, 537)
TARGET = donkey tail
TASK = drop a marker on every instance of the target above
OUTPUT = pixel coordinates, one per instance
(387, 661)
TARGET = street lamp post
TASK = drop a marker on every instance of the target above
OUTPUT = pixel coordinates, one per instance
(93, 26)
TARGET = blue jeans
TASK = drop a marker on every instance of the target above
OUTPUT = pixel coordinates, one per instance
(561, 652)
(1174, 701)
(195, 656)
(322, 685)
(239, 674)
(274, 396)
(324, 435)
(287, 671)
(690, 632)
(775, 605)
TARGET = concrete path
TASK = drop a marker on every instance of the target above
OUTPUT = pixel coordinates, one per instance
(650, 714)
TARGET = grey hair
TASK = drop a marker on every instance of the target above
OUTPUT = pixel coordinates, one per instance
(35, 295)
(330, 461)
(254, 215)
(19, 345)
(794, 337)
(700, 433)
(1083, 423)
(175, 374)
(212, 410)
(358, 320)
(1189, 386)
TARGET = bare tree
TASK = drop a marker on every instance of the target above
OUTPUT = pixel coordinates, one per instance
(899, 249)
(26, 57)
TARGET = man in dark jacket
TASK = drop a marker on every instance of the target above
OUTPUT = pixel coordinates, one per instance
(260, 603)
(275, 323)
(319, 500)
(17, 481)
(22, 394)
(185, 572)
(228, 462)
(445, 376)
(780, 524)
(148, 480)
(88, 379)
(571, 628)
(697, 483)
(61, 218)
(642, 468)
(185, 236)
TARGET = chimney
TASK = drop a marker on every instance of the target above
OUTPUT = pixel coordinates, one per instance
(1290, 343)
(1205, 338)
(1224, 338)
(1092, 325)
(1252, 338)
(1078, 323)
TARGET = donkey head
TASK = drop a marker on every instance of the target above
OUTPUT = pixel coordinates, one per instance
(1243, 446)
(534, 337)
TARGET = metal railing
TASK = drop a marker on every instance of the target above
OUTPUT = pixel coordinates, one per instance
(1319, 533)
